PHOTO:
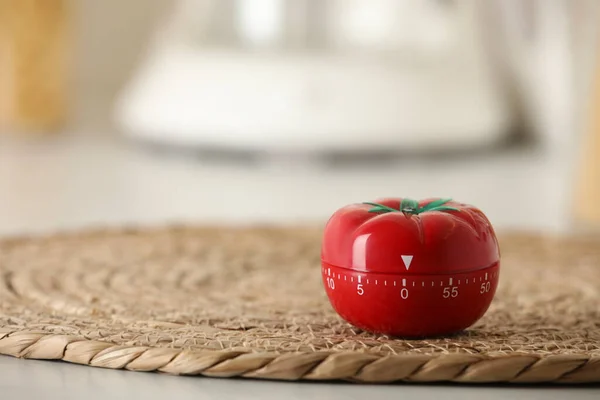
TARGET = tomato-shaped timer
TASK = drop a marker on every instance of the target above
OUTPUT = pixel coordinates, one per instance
(410, 268)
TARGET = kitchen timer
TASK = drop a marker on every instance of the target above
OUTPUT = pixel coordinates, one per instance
(410, 268)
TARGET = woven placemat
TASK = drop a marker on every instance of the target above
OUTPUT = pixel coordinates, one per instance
(249, 302)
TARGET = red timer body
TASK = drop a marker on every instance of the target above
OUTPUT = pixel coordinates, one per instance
(410, 268)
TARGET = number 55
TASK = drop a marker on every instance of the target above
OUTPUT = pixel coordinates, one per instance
(450, 292)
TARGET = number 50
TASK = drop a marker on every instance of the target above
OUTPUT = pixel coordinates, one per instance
(485, 287)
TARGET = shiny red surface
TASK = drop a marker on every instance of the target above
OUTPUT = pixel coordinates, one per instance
(431, 296)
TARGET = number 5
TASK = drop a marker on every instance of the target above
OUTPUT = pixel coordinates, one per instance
(359, 289)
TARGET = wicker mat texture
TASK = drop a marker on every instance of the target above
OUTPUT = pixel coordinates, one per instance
(249, 302)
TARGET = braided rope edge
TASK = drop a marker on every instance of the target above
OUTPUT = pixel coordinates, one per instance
(347, 366)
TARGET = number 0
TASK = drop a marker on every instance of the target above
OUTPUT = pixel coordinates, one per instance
(404, 293)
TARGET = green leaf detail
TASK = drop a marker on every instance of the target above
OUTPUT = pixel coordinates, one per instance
(443, 208)
(409, 206)
(434, 204)
(380, 208)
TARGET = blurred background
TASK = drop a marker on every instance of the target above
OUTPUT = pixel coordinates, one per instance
(280, 111)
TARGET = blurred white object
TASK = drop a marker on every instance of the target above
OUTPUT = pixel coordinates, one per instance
(338, 75)
(313, 75)
(551, 47)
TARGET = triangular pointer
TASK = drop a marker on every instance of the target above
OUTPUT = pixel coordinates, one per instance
(407, 260)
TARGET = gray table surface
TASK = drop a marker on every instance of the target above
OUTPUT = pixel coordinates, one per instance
(31, 379)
